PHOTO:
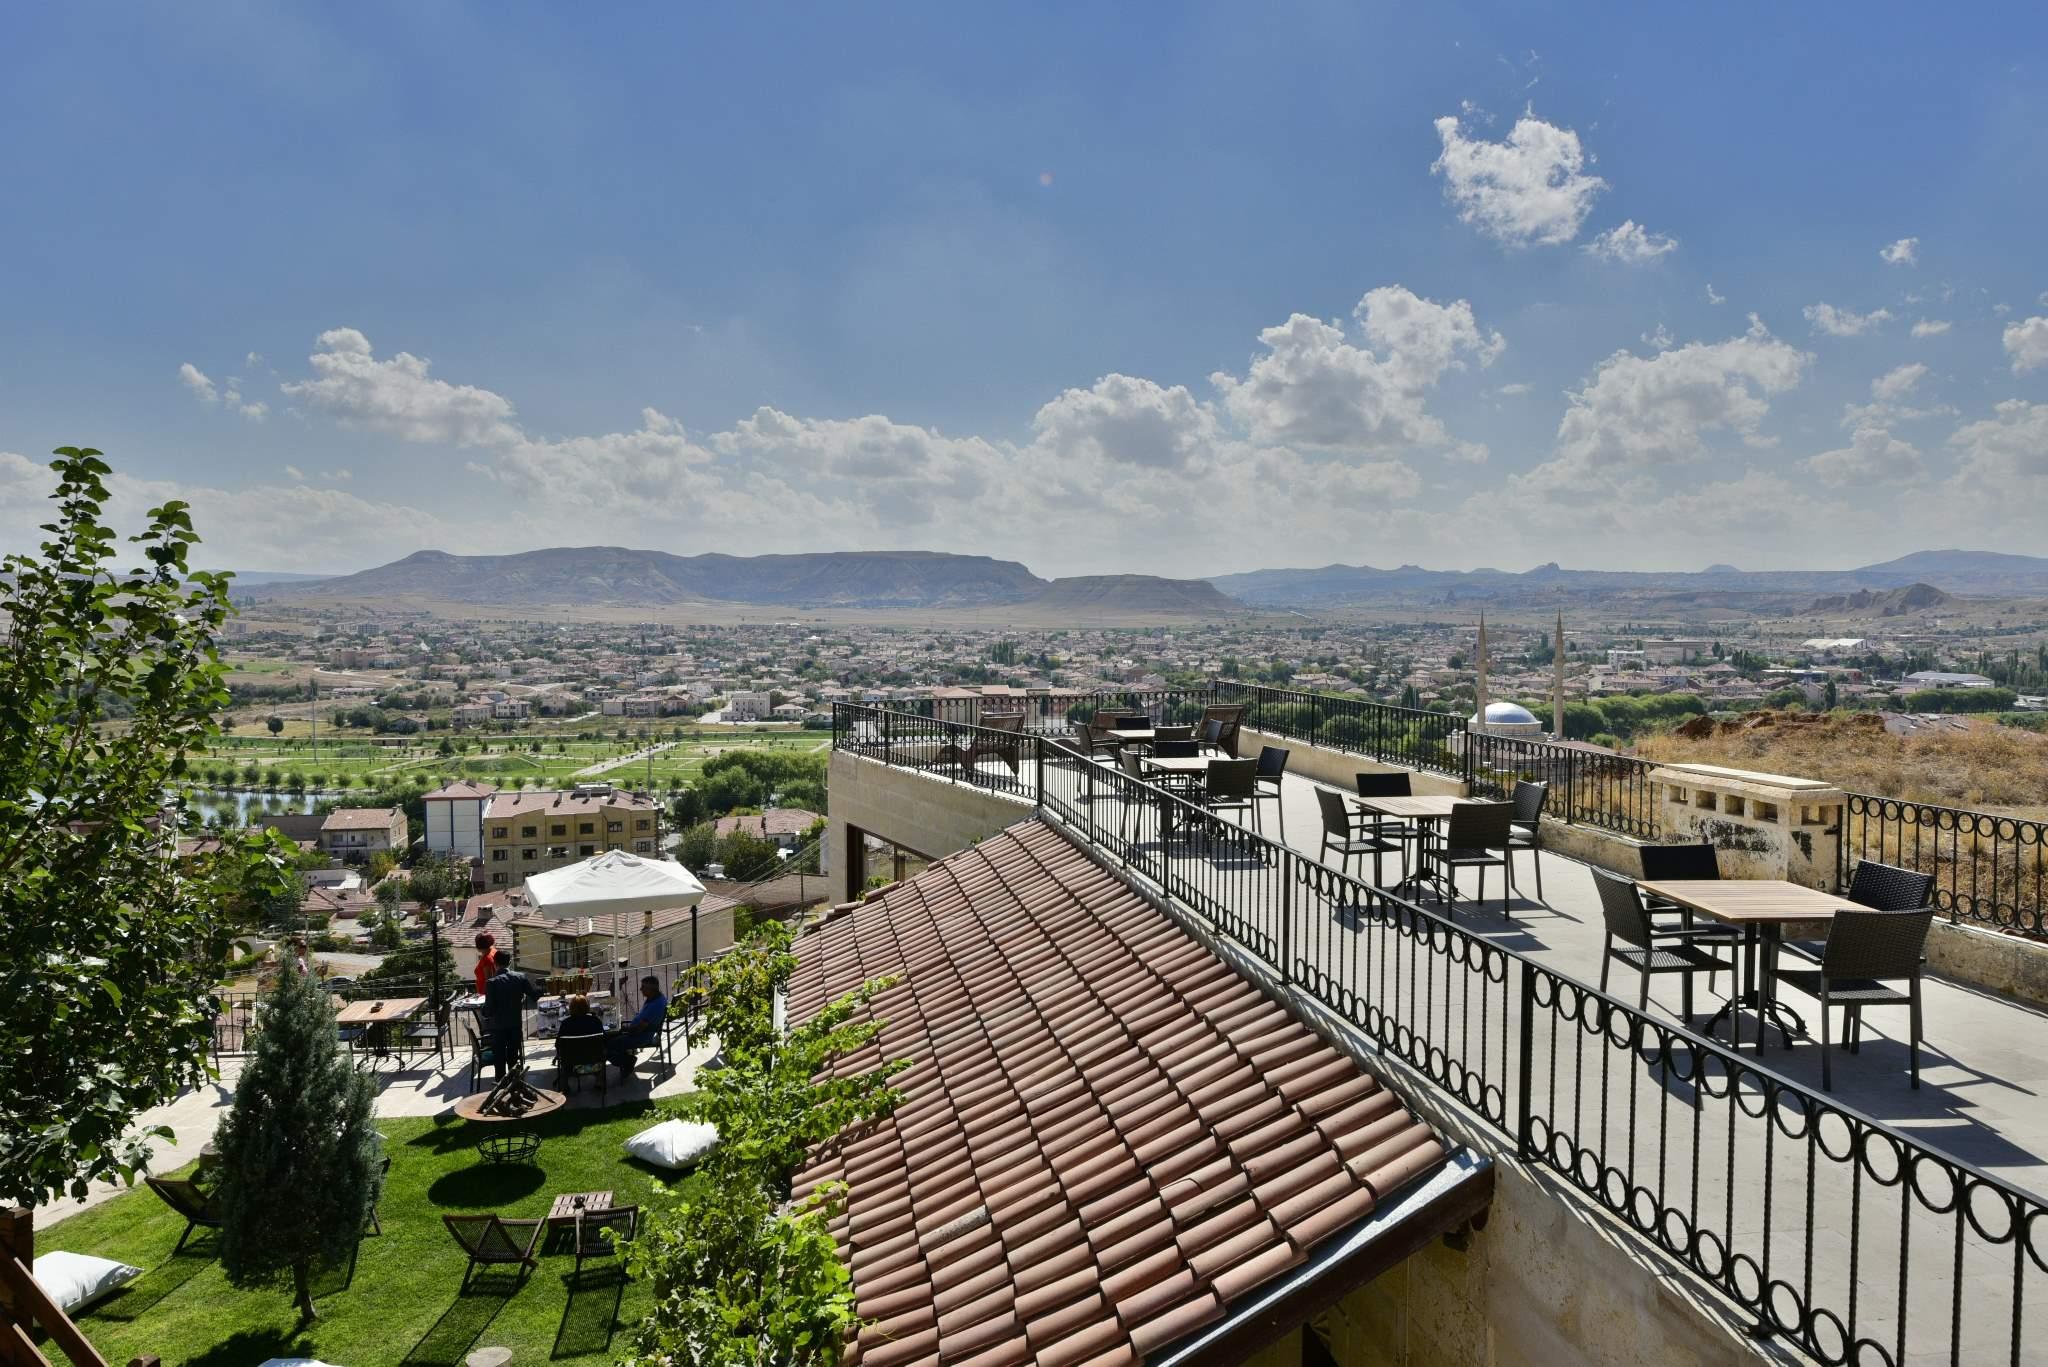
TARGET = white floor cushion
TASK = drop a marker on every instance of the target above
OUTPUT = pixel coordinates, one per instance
(76, 1280)
(673, 1143)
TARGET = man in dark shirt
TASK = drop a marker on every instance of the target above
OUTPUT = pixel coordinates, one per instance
(506, 997)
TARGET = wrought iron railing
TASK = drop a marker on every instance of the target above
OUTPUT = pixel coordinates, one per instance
(1850, 1238)
(1412, 737)
(1587, 787)
(1988, 869)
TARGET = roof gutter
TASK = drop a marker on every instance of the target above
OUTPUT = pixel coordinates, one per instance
(1453, 1197)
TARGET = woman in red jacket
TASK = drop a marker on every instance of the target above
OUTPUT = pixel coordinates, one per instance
(486, 959)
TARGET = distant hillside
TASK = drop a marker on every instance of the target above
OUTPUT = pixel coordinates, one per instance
(1134, 594)
(616, 576)
(251, 578)
(1975, 573)
(1883, 602)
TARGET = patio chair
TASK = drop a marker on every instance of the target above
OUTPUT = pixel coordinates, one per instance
(187, 1198)
(1211, 736)
(1881, 887)
(1000, 737)
(1525, 832)
(1476, 837)
(1864, 951)
(1643, 947)
(1185, 747)
(1232, 785)
(1230, 718)
(1097, 741)
(582, 1056)
(1343, 834)
(480, 1053)
(491, 1241)
(1173, 733)
(1271, 772)
(599, 1233)
(1389, 785)
(1683, 864)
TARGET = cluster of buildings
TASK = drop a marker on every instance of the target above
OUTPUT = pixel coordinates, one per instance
(508, 836)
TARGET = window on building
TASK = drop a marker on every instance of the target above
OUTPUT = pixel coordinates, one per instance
(586, 850)
(558, 828)
(643, 824)
(528, 832)
(565, 955)
(586, 827)
(558, 851)
(497, 856)
(500, 832)
(528, 853)
(664, 950)
(643, 847)
(615, 825)
(498, 878)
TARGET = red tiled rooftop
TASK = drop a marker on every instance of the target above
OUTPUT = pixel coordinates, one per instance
(1107, 1135)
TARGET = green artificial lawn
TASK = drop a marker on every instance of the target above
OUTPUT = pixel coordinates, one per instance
(404, 1303)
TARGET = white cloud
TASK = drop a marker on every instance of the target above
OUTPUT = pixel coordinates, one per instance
(1842, 322)
(1931, 327)
(1895, 384)
(1713, 298)
(295, 472)
(1873, 455)
(1128, 421)
(1904, 252)
(1531, 189)
(2027, 344)
(1640, 415)
(195, 380)
(1511, 390)
(2004, 460)
(1632, 244)
(1315, 388)
(397, 396)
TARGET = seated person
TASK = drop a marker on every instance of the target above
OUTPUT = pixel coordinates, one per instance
(645, 1027)
(581, 1020)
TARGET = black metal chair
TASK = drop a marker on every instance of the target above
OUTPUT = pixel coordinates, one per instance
(1683, 864)
(1395, 784)
(1342, 834)
(1476, 837)
(1183, 747)
(1232, 785)
(582, 1056)
(1864, 951)
(1525, 832)
(1643, 947)
(1881, 887)
(1272, 771)
(1173, 733)
(599, 1234)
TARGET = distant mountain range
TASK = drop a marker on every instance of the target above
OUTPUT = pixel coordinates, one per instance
(616, 576)
(1973, 573)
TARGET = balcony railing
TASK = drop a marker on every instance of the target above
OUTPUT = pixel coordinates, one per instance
(1988, 869)
(1828, 1227)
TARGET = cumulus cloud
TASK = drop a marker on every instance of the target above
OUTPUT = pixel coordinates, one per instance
(195, 380)
(1632, 244)
(1843, 322)
(1121, 420)
(1872, 455)
(1896, 383)
(1518, 387)
(1904, 252)
(397, 396)
(2003, 459)
(1931, 327)
(2027, 344)
(1315, 387)
(1531, 189)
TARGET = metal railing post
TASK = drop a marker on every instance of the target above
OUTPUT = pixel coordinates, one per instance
(1525, 1064)
(1038, 796)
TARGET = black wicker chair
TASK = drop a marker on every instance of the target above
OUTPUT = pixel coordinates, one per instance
(1865, 950)
(1683, 864)
(1476, 837)
(1343, 834)
(1176, 747)
(1525, 832)
(1643, 947)
(1232, 785)
(1271, 774)
(1881, 887)
(1395, 784)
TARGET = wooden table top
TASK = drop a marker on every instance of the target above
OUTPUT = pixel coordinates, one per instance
(564, 1210)
(1182, 764)
(382, 1009)
(1133, 735)
(1435, 807)
(1741, 901)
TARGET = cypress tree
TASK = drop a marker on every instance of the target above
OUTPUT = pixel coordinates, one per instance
(299, 1158)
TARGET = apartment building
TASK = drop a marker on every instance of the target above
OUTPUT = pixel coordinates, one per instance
(527, 833)
(356, 833)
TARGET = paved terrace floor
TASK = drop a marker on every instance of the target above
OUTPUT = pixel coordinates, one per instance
(422, 1087)
(1728, 1174)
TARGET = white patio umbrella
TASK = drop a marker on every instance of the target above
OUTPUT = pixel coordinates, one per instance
(612, 884)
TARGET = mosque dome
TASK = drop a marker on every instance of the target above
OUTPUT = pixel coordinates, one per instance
(1507, 714)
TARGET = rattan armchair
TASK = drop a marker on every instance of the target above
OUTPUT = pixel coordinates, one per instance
(1865, 950)
(1476, 837)
(1643, 947)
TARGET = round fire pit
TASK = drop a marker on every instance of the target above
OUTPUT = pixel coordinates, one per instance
(508, 1103)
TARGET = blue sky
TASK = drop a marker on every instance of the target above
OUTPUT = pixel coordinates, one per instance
(1181, 290)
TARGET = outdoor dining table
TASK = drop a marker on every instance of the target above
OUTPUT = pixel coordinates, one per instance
(1425, 811)
(1135, 736)
(379, 1011)
(1760, 908)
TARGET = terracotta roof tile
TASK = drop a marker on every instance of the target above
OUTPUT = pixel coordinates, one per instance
(1107, 1134)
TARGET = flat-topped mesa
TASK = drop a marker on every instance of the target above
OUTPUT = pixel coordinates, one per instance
(1762, 825)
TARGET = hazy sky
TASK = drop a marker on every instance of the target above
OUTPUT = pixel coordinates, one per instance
(1175, 289)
